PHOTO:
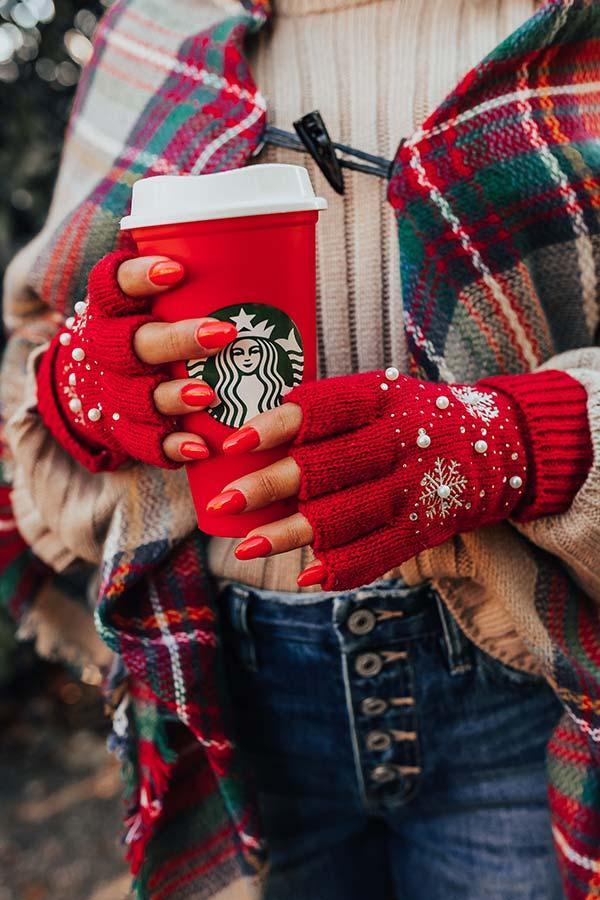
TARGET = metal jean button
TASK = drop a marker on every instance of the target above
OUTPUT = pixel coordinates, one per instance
(373, 706)
(378, 741)
(361, 621)
(383, 774)
(368, 665)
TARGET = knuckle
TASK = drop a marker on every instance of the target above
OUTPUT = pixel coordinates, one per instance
(126, 276)
(170, 446)
(295, 532)
(161, 397)
(173, 342)
(142, 341)
(281, 419)
(269, 484)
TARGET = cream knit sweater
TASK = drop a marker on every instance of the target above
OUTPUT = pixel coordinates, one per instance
(375, 70)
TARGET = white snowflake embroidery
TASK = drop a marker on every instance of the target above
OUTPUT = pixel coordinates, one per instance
(479, 404)
(443, 486)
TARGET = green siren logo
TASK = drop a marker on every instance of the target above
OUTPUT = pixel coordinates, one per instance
(258, 368)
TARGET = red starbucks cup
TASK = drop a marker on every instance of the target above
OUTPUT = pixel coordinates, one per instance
(247, 241)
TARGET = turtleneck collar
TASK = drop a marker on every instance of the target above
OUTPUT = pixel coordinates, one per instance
(289, 8)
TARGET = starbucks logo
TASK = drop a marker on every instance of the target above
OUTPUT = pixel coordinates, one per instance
(255, 371)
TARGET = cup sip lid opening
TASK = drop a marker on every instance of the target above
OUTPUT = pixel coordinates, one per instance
(250, 191)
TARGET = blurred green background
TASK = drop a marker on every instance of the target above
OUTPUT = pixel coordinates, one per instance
(60, 816)
(43, 45)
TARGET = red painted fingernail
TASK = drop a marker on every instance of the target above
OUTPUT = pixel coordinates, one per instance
(165, 272)
(214, 335)
(232, 501)
(197, 394)
(194, 450)
(253, 547)
(244, 440)
(313, 574)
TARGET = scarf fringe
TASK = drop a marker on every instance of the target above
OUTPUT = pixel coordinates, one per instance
(139, 739)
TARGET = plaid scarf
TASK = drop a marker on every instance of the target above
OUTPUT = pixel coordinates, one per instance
(498, 211)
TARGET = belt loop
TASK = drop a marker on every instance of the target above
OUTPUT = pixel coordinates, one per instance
(241, 624)
(458, 646)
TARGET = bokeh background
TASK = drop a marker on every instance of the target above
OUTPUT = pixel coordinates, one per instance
(60, 810)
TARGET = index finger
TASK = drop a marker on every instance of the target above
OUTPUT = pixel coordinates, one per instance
(268, 429)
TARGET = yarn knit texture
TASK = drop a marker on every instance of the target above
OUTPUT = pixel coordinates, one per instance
(95, 395)
(496, 202)
(398, 465)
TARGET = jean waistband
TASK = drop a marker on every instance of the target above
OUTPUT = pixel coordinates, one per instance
(404, 613)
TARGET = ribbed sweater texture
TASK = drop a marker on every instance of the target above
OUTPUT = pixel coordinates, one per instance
(375, 69)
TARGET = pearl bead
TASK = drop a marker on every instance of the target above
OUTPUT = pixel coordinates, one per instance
(514, 455)
(78, 354)
(72, 379)
(413, 517)
(442, 402)
(392, 373)
(423, 441)
(516, 482)
(384, 386)
(80, 307)
(70, 322)
(65, 338)
(116, 417)
(75, 404)
(480, 446)
(94, 414)
(443, 491)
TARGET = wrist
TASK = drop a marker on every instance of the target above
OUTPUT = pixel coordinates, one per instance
(65, 432)
(551, 409)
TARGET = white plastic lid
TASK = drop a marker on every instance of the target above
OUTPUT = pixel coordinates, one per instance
(251, 191)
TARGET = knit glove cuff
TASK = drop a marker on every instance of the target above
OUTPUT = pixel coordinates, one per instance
(95, 395)
(554, 422)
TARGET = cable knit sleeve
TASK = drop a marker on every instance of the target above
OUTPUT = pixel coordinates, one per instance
(64, 512)
(574, 536)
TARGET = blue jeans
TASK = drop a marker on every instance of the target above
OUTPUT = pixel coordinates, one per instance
(394, 760)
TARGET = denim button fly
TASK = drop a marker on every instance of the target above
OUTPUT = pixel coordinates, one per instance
(383, 774)
(373, 706)
(368, 665)
(361, 621)
(376, 628)
(378, 740)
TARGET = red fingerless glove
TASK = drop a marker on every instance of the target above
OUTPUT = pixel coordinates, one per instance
(391, 466)
(94, 395)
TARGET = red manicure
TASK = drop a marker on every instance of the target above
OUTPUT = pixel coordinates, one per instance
(197, 394)
(165, 272)
(247, 438)
(253, 547)
(313, 574)
(215, 335)
(194, 450)
(232, 501)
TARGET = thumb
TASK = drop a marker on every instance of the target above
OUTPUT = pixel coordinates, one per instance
(144, 276)
(121, 277)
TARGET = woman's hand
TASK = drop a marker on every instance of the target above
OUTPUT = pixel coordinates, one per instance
(103, 385)
(385, 466)
(160, 343)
